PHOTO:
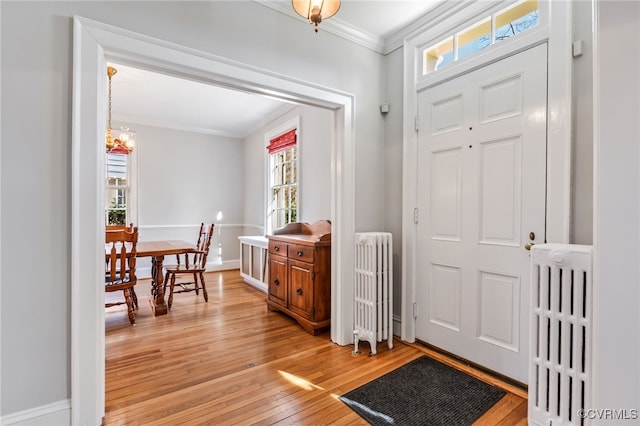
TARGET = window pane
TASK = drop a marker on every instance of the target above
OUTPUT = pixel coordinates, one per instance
(116, 166)
(519, 18)
(475, 38)
(116, 190)
(438, 56)
(294, 176)
(283, 184)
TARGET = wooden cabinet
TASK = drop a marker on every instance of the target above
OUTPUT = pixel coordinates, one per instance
(300, 273)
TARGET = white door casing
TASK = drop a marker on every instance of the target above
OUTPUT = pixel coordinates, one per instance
(480, 193)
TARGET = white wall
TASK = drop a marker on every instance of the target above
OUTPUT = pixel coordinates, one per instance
(617, 207)
(314, 151)
(582, 105)
(186, 178)
(392, 156)
(35, 171)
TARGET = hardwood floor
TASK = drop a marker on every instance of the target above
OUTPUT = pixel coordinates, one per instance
(231, 361)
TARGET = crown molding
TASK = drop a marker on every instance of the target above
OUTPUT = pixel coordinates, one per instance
(153, 122)
(391, 41)
(440, 13)
(163, 124)
(334, 26)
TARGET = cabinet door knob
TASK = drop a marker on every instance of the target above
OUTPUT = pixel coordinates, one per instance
(299, 291)
(276, 248)
(300, 253)
(276, 282)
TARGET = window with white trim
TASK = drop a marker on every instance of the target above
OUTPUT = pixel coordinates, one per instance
(489, 30)
(117, 189)
(282, 206)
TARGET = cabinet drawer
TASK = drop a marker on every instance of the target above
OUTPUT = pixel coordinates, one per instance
(278, 247)
(302, 253)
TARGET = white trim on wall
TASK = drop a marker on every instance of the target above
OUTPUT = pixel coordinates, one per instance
(214, 260)
(94, 42)
(552, 29)
(616, 216)
(54, 414)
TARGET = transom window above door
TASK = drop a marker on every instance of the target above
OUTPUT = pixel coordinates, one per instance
(480, 34)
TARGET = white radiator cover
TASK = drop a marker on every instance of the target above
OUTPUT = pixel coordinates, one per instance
(373, 286)
(561, 328)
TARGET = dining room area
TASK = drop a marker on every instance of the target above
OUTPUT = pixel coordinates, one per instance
(189, 194)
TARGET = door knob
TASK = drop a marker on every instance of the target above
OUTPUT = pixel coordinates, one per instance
(528, 246)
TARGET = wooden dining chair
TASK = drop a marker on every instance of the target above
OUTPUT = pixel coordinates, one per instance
(192, 264)
(129, 228)
(120, 274)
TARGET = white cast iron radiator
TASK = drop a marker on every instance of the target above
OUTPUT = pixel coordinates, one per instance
(373, 289)
(561, 327)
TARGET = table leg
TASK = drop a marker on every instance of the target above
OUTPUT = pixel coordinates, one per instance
(156, 298)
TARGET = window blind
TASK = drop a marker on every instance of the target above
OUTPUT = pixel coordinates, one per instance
(282, 142)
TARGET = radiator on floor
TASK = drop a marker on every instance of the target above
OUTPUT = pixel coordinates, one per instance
(373, 289)
(561, 327)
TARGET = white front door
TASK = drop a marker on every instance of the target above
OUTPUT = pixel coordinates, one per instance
(481, 199)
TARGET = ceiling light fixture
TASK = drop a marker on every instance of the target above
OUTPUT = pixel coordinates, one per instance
(126, 141)
(316, 10)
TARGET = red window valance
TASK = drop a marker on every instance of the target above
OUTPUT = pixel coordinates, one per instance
(119, 150)
(282, 142)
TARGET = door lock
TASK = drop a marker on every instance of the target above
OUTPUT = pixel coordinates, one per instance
(532, 237)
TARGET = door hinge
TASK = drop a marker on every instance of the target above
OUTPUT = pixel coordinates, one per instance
(415, 310)
(415, 215)
(417, 123)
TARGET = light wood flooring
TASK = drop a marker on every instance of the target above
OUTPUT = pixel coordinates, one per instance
(231, 361)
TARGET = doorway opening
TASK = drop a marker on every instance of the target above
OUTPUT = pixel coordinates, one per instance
(94, 44)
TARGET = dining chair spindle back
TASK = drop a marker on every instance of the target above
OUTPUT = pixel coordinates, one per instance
(120, 271)
(193, 263)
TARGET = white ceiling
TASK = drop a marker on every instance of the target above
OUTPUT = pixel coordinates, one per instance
(149, 98)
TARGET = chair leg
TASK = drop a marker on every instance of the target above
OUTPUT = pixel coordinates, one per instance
(135, 298)
(173, 283)
(166, 282)
(204, 288)
(195, 283)
(129, 300)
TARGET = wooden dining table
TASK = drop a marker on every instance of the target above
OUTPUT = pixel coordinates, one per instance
(157, 250)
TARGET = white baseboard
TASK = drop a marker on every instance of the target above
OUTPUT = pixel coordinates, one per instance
(397, 323)
(55, 414)
(224, 265)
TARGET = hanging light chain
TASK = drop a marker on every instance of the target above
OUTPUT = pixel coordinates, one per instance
(110, 143)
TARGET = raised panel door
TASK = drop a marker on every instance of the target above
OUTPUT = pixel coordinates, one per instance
(481, 197)
(278, 279)
(301, 277)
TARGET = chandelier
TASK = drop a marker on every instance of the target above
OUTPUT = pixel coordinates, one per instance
(125, 142)
(316, 10)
